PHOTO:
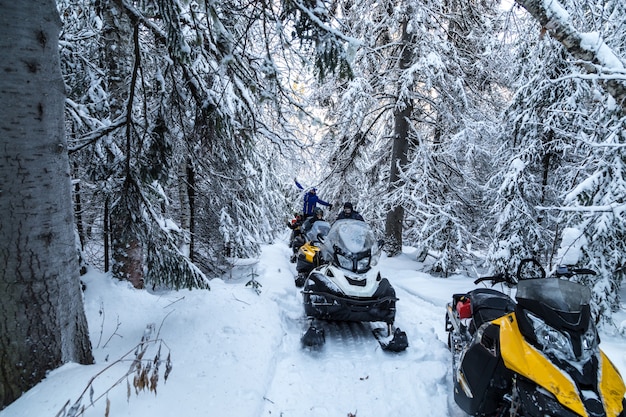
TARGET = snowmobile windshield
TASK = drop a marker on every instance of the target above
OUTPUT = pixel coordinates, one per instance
(352, 245)
(319, 228)
(557, 294)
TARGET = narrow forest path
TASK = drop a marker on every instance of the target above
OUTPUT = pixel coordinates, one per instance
(351, 374)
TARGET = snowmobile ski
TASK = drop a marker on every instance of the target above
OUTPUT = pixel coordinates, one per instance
(391, 342)
(313, 338)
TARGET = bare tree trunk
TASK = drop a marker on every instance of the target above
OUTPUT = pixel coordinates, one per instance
(402, 113)
(42, 319)
(78, 210)
(120, 41)
(106, 235)
(191, 197)
(598, 54)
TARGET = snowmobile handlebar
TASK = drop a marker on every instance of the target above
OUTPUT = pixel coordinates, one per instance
(567, 271)
(532, 269)
(496, 279)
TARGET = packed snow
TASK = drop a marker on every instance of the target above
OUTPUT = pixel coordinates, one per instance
(235, 350)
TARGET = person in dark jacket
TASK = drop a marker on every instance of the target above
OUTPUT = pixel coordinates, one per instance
(296, 239)
(308, 224)
(300, 239)
(348, 212)
(295, 225)
(311, 200)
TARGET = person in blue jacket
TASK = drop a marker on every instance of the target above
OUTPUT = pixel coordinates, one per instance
(311, 200)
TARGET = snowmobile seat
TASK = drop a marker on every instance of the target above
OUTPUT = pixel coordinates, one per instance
(487, 305)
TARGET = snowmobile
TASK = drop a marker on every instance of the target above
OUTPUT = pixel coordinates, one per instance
(348, 286)
(536, 356)
(308, 255)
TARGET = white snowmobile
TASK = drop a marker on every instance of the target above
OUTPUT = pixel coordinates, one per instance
(348, 287)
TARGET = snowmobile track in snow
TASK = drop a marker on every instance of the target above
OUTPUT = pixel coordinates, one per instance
(348, 338)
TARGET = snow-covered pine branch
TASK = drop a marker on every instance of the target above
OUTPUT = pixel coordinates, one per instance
(589, 47)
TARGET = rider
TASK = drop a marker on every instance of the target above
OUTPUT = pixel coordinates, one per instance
(311, 200)
(348, 212)
(308, 224)
(295, 225)
(300, 239)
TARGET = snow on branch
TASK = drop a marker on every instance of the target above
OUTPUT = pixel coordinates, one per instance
(322, 25)
(588, 47)
(93, 136)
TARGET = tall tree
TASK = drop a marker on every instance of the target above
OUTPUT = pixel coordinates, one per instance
(425, 92)
(402, 113)
(42, 320)
(171, 125)
(564, 143)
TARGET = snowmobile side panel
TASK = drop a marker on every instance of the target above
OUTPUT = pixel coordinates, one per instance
(481, 379)
(526, 360)
(611, 387)
(309, 252)
(536, 402)
(308, 258)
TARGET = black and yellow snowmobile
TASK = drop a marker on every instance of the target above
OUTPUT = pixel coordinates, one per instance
(536, 356)
(308, 256)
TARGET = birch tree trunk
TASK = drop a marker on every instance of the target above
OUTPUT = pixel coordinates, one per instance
(596, 53)
(42, 319)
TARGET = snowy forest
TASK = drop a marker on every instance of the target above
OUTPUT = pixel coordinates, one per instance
(478, 132)
(464, 128)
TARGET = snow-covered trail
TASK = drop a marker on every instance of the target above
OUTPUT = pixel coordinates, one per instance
(351, 374)
(237, 353)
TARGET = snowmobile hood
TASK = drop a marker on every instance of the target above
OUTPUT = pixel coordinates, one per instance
(339, 281)
(353, 242)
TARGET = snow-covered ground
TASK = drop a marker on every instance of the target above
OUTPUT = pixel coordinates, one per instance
(236, 351)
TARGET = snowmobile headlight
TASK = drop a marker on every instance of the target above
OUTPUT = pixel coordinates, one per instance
(551, 340)
(344, 262)
(363, 264)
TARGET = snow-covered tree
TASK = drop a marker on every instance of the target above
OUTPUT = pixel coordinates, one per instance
(539, 150)
(187, 132)
(415, 75)
(564, 138)
(42, 319)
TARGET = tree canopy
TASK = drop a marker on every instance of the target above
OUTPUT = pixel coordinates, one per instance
(478, 132)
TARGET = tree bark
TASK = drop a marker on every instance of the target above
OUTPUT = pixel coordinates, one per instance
(191, 205)
(42, 319)
(402, 113)
(121, 37)
(598, 55)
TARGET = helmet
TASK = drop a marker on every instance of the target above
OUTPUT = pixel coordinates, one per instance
(319, 211)
(348, 205)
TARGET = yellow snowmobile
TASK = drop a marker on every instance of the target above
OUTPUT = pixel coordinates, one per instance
(536, 356)
(309, 256)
